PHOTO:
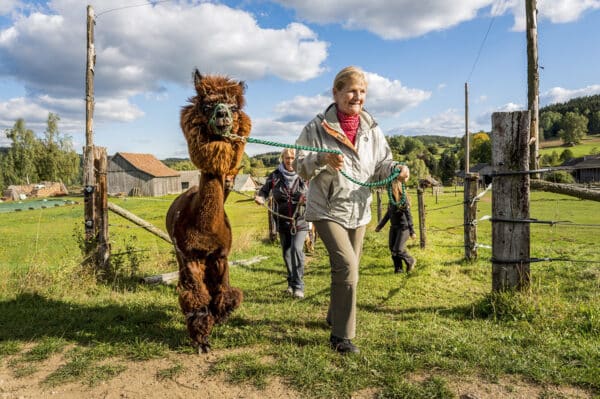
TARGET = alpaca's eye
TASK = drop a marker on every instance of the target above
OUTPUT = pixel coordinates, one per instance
(206, 108)
(234, 108)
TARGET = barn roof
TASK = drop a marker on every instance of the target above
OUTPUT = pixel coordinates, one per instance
(585, 162)
(148, 163)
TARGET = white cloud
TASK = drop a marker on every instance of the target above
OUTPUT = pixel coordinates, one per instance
(302, 108)
(556, 11)
(385, 97)
(484, 120)
(402, 19)
(389, 97)
(276, 131)
(561, 95)
(398, 19)
(6, 6)
(449, 123)
(140, 50)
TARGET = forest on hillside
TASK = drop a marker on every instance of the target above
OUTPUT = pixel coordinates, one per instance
(571, 121)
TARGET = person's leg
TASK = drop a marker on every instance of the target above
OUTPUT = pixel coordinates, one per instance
(285, 238)
(344, 248)
(401, 251)
(297, 261)
(393, 244)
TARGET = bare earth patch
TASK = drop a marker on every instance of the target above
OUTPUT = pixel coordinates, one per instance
(150, 379)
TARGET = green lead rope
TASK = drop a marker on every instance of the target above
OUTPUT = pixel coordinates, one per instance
(385, 182)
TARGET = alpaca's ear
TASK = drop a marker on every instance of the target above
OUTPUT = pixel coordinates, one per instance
(197, 77)
(243, 86)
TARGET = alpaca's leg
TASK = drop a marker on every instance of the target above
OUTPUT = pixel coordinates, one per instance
(224, 298)
(195, 299)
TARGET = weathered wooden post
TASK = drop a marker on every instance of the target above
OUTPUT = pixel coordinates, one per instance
(378, 196)
(510, 201)
(421, 204)
(101, 199)
(470, 215)
(89, 180)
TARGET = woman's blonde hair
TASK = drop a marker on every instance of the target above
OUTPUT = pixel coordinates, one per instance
(348, 75)
(290, 151)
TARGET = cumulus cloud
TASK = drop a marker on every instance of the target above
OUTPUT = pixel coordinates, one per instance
(140, 50)
(385, 98)
(561, 95)
(273, 130)
(6, 6)
(398, 19)
(556, 11)
(402, 19)
(448, 123)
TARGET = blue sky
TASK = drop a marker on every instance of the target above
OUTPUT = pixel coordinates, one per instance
(417, 55)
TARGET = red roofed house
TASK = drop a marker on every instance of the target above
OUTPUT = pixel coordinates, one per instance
(141, 174)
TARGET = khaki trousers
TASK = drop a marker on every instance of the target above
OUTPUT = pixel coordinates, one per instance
(344, 247)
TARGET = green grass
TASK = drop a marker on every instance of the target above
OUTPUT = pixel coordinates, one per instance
(589, 145)
(440, 321)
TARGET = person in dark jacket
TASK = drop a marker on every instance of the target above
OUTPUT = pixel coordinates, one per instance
(401, 228)
(288, 190)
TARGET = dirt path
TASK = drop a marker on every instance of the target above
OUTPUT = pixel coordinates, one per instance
(142, 380)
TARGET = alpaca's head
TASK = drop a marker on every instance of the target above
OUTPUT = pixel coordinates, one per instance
(218, 104)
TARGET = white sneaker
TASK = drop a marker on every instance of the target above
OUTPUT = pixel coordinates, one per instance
(289, 291)
(298, 294)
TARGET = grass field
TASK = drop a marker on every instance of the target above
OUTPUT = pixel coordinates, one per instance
(586, 147)
(418, 334)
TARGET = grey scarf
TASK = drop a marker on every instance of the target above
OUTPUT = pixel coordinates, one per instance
(289, 177)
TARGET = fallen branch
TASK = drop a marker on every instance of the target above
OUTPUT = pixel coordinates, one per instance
(172, 277)
(139, 221)
(565, 189)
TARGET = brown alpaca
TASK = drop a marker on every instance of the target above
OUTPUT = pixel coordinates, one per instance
(196, 221)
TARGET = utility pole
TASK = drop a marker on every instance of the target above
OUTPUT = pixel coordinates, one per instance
(89, 179)
(533, 82)
(467, 144)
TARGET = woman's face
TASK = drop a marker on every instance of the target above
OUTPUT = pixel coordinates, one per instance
(288, 161)
(351, 98)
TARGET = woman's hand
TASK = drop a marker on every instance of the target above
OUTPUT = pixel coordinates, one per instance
(404, 173)
(336, 161)
(260, 200)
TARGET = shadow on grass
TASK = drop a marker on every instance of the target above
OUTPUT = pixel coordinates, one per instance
(30, 316)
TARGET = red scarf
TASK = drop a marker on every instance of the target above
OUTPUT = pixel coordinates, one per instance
(349, 124)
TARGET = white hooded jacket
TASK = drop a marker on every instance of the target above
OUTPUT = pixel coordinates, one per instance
(331, 196)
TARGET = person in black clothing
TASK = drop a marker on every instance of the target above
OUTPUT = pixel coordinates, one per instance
(288, 190)
(400, 230)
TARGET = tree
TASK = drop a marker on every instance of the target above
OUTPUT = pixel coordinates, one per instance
(573, 128)
(447, 166)
(566, 155)
(57, 160)
(549, 122)
(482, 148)
(594, 123)
(21, 167)
(418, 170)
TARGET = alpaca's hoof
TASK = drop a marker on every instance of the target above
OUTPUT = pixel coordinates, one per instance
(204, 348)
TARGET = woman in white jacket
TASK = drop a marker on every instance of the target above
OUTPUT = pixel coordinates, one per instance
(339, 208)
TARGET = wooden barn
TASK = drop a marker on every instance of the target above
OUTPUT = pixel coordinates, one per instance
(141, 175)
(586, 169)
(189, 178)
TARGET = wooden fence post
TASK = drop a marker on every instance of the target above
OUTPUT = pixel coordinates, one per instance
(510, 201)
(101, 216)
(470, 216)
(378, 196)
(422, 230)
